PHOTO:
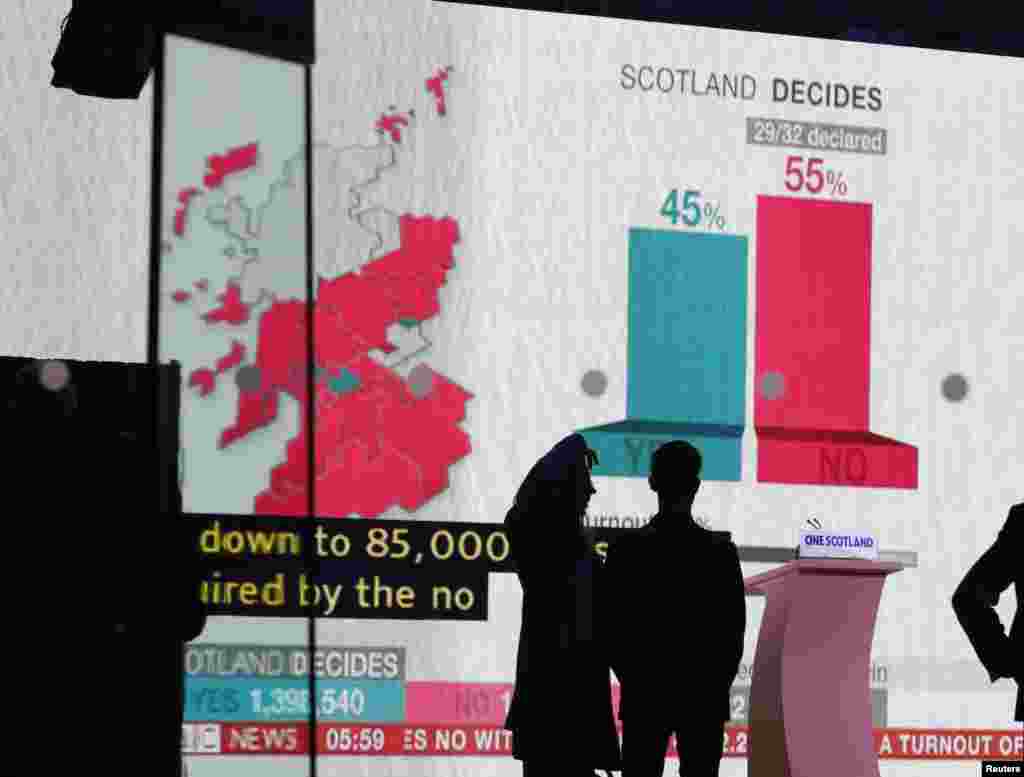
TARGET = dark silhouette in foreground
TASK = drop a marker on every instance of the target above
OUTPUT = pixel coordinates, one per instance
(974, 601)
(680, 618)
(667, 612)
(107, 580)
(561, 711)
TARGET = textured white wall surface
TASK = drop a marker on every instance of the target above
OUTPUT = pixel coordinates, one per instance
(74, 203)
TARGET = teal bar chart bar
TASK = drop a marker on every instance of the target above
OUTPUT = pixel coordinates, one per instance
(686, 354)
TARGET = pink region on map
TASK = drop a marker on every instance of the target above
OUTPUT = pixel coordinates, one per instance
(435, 86)
(365, 322)
(235, 160)
(179, 215)
(232, 309)
(204, 379)
(412, 275)
(374, 449)
(378, 444)
(181, 296)
(392, 125)
(254, 408)
(281, 348)
(233, 359)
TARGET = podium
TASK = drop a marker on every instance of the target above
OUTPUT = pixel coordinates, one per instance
(810, 697)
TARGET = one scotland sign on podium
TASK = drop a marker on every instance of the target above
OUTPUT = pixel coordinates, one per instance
(816, 543)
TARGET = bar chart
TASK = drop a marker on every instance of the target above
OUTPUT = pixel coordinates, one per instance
(687, 360)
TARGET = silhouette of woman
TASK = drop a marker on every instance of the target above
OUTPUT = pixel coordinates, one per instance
(561, 711)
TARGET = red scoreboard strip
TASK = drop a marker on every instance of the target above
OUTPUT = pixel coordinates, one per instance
(397, 739)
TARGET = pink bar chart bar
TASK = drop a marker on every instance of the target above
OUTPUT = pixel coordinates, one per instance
(813, 349)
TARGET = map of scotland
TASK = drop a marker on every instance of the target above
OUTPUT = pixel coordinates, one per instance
(386, 424)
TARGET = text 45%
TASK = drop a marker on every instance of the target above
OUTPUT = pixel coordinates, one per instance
(690, 210)
(811, 177)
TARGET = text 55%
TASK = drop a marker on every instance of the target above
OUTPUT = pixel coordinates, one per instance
(809, 176)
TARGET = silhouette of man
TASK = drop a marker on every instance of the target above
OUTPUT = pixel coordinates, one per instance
(681, 616)
(976, 597)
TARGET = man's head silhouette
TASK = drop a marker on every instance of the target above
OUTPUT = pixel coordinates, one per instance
(675, 470)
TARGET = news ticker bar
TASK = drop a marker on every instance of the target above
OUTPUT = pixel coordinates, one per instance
(270, 683)
(379, 701)
(334, 739)
(227, 542)
(367, 570)
(390, 701)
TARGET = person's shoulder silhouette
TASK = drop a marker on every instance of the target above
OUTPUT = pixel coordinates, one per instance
(1013, 530)
(977, 595)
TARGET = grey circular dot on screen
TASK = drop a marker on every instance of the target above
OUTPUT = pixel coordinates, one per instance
(421, 380)
(773, 385)
(954, 387)
(249, 378)
(54, 375)
(594, 383)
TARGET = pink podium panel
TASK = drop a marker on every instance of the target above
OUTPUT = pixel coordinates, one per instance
(810, 698)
